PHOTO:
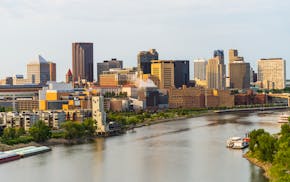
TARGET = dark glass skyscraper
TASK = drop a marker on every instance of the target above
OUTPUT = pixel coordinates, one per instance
(181, 73)
(220, 54)
(83, 61)
(144, 60)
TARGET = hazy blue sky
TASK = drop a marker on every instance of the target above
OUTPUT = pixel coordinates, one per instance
(178, 29)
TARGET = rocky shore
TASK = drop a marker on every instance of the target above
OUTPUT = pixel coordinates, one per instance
(264, 165)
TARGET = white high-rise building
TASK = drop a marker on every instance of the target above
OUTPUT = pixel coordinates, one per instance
(199, 69)
(272, 73)
(99, 114)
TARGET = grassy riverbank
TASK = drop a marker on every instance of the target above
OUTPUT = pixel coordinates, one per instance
(132, 119)
(271, 153)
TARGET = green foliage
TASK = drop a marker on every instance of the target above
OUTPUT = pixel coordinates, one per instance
(6, 109)
(40, 132)
(76, 130)
(20, 131)
(73, 130)
(8, 134)
(12, 136)
(285, 130)
(266, 147)
(254, 138)
(59, 134)
(2, 109)
(132, 118)
(262, 144)
(21, 139)
(89, 127)
(285, 90)
(275, 150)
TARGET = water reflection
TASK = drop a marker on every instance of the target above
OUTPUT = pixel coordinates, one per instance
(256, 174)
(189, 150)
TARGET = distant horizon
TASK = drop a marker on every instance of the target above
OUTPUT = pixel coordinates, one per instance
(178, 30)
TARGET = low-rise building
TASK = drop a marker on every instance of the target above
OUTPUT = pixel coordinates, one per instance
(199, 98)
(25, 120)
(250, 98)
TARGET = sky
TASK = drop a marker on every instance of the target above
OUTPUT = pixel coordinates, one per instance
(177, 29)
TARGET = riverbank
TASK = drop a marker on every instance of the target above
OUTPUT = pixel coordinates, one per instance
(252, 109)
(266, 166)
(63, 141)
(157, 121)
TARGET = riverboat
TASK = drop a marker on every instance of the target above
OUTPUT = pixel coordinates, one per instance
(29, 151)
(238, 142)
(34, 151)
(7, 157)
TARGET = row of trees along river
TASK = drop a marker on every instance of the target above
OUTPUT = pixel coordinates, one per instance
(40, 132)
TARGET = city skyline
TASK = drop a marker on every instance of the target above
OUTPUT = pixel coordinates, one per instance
(257, 29)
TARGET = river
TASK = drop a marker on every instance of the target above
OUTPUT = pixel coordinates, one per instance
(178, 151)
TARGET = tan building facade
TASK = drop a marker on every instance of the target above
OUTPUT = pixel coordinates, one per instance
(52, 71)
(215, 74)
(109, 80)
(199, 98)
(163, 73)
(200, 69)
(39, 71)
(272, 73)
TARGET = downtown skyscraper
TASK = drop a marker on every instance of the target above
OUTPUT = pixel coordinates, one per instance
(83, 61)
(39, 71)
(200, 69)
(272, 73)
(144, 59)
(216, 71)
(239, 71)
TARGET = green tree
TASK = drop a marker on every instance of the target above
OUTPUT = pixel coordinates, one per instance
(40, 132)
(266, 147)
(285, 129)
(89, 127)
(20, 131)
(133, 120)
(8, 134)
(2, 109)
(73, 130)
(254, 136)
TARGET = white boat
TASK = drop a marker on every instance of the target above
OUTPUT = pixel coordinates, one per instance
(237, 143)
(283, 118)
